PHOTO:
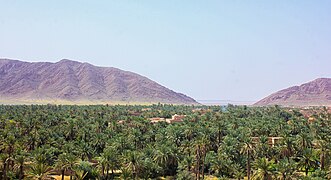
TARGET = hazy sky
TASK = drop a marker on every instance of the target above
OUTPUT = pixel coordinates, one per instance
(207, 49)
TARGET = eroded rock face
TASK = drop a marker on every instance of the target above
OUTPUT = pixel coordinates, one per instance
(75, 81)
(314, 93)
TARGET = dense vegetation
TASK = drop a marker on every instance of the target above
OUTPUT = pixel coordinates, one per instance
(107, 142)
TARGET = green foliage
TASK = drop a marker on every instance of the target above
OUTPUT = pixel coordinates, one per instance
(109, 142)
(185, 175)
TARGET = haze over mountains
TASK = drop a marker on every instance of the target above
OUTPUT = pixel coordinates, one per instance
(73, 82)
(314, 93)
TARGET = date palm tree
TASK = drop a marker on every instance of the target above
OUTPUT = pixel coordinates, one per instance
(237, 171)
(4, 162)
(285, 168)
(248, 149)
(308, 160)
(62, 164)
(131, 162)
(20, 160)
(39, 171)
(264, 169)
(80, 174)
(72, 161)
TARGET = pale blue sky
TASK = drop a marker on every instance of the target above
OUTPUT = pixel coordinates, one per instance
(210, 49)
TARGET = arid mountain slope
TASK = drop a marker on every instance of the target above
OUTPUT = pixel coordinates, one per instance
(314, 93)
(71, 81)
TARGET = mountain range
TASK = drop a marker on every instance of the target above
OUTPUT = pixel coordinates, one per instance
(314, 93)
(72, 82)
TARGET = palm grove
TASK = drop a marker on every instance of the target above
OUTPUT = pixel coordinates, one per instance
(120, 142)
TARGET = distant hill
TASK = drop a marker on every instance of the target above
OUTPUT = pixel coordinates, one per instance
(314, 93)
(71, 82)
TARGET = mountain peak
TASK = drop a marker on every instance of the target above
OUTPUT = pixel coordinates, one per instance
(313, 93)
(69, 61)
(77, 82)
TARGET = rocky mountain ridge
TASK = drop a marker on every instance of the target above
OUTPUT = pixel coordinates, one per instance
(72, 81)
(314, 93)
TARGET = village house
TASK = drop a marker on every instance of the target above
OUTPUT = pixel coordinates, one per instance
(156, 120)
(271, 140)
(175, 118)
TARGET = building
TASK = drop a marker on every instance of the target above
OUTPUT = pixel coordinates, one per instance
(271, 140)
(156, 120)
(175, 119)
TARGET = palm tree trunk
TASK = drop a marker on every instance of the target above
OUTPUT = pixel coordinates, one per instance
(107, 173)
(188, 167)
(103, 171)
(203, 169)
(71, 172)
(306, 170)
(62, 172)
(4, 170)
(112, 173)
(198, 163)
(219, 137)
(21, 174)
(135, 174)
(248, 165)
(322, 160)
(203, 162)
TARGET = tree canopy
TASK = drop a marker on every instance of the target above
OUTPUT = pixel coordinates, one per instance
(120, 142)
